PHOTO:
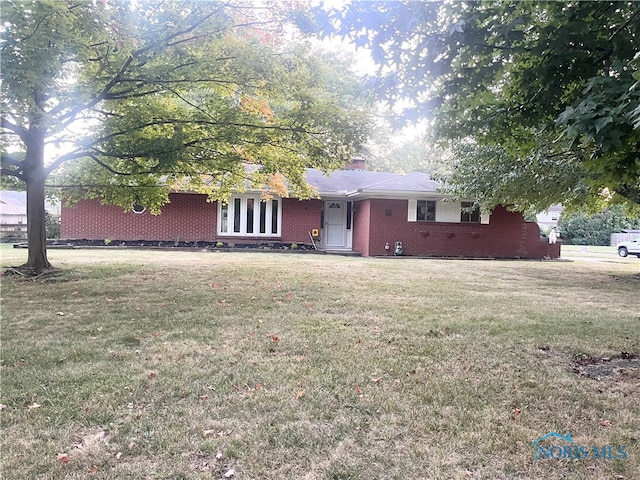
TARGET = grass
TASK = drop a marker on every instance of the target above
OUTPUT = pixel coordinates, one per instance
(185, 365)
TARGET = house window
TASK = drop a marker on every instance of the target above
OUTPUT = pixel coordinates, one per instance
(250, 216)
(223, 224)
(469, 213)
(236, 215)
(426, 211)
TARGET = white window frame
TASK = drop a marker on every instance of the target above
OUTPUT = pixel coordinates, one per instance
(230, 207)
(470, 205)
(426, 204)
(412, 210)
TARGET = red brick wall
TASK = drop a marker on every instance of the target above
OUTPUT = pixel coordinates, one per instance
(189, 217)
(361, 226)
(299, 218)
(506, 236)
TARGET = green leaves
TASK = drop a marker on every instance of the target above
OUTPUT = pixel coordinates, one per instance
(503, 72)
(164, 94)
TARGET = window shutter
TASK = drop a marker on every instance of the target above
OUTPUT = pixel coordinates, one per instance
(412, 210)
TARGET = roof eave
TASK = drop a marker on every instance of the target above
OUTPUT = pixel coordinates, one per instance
(402, 194)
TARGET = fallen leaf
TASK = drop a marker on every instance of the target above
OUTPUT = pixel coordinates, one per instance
(151, 374)
(63, 458)
(93, 470)
(300, 394)
(515, 411)
(309, 305)
(605, 423)
(258, 386)
(358, 391)
(215, 285)
(288, 295)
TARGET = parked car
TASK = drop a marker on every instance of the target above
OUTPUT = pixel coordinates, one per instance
(631, 247)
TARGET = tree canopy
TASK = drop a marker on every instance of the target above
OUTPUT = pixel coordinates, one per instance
(540, 80)
(125, 101)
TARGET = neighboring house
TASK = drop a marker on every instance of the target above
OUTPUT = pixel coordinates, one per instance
(549, 219)
(13, 215)
(357, 211)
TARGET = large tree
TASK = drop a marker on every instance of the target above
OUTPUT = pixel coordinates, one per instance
(536, 79)
(131, 99)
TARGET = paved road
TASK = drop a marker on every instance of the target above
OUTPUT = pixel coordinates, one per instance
(600, 258)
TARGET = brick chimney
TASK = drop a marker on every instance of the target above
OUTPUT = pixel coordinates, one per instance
(357, 163)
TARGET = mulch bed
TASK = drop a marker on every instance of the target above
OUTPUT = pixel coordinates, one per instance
(81, 243)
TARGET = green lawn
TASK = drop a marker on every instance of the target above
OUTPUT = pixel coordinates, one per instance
(146, 364)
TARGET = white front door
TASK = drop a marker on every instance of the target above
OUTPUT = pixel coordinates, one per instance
(335, 224)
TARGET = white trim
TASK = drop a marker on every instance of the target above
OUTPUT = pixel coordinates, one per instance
(446, 211)
(412, 210)
(257, 200)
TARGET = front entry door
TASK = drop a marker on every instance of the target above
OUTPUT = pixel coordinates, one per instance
(335, 224)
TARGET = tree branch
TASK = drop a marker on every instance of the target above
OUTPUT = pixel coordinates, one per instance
(495, 47)
(65, 158)
(18, 130)
(114, 171)
(625, 25)
(127, 94)
(13, 173)
(9, 159)
(294, 129)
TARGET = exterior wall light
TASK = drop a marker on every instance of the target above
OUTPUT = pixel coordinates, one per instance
(137, 208)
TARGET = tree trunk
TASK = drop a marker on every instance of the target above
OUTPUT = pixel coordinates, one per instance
(35, 176)
(36, 226)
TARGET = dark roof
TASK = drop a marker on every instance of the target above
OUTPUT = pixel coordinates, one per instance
(9, 197)
(19, 199)
(353, 182)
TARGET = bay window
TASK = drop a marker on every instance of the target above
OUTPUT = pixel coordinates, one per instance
(250, 215)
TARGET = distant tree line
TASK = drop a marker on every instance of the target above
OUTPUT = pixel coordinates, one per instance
(596, 229)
